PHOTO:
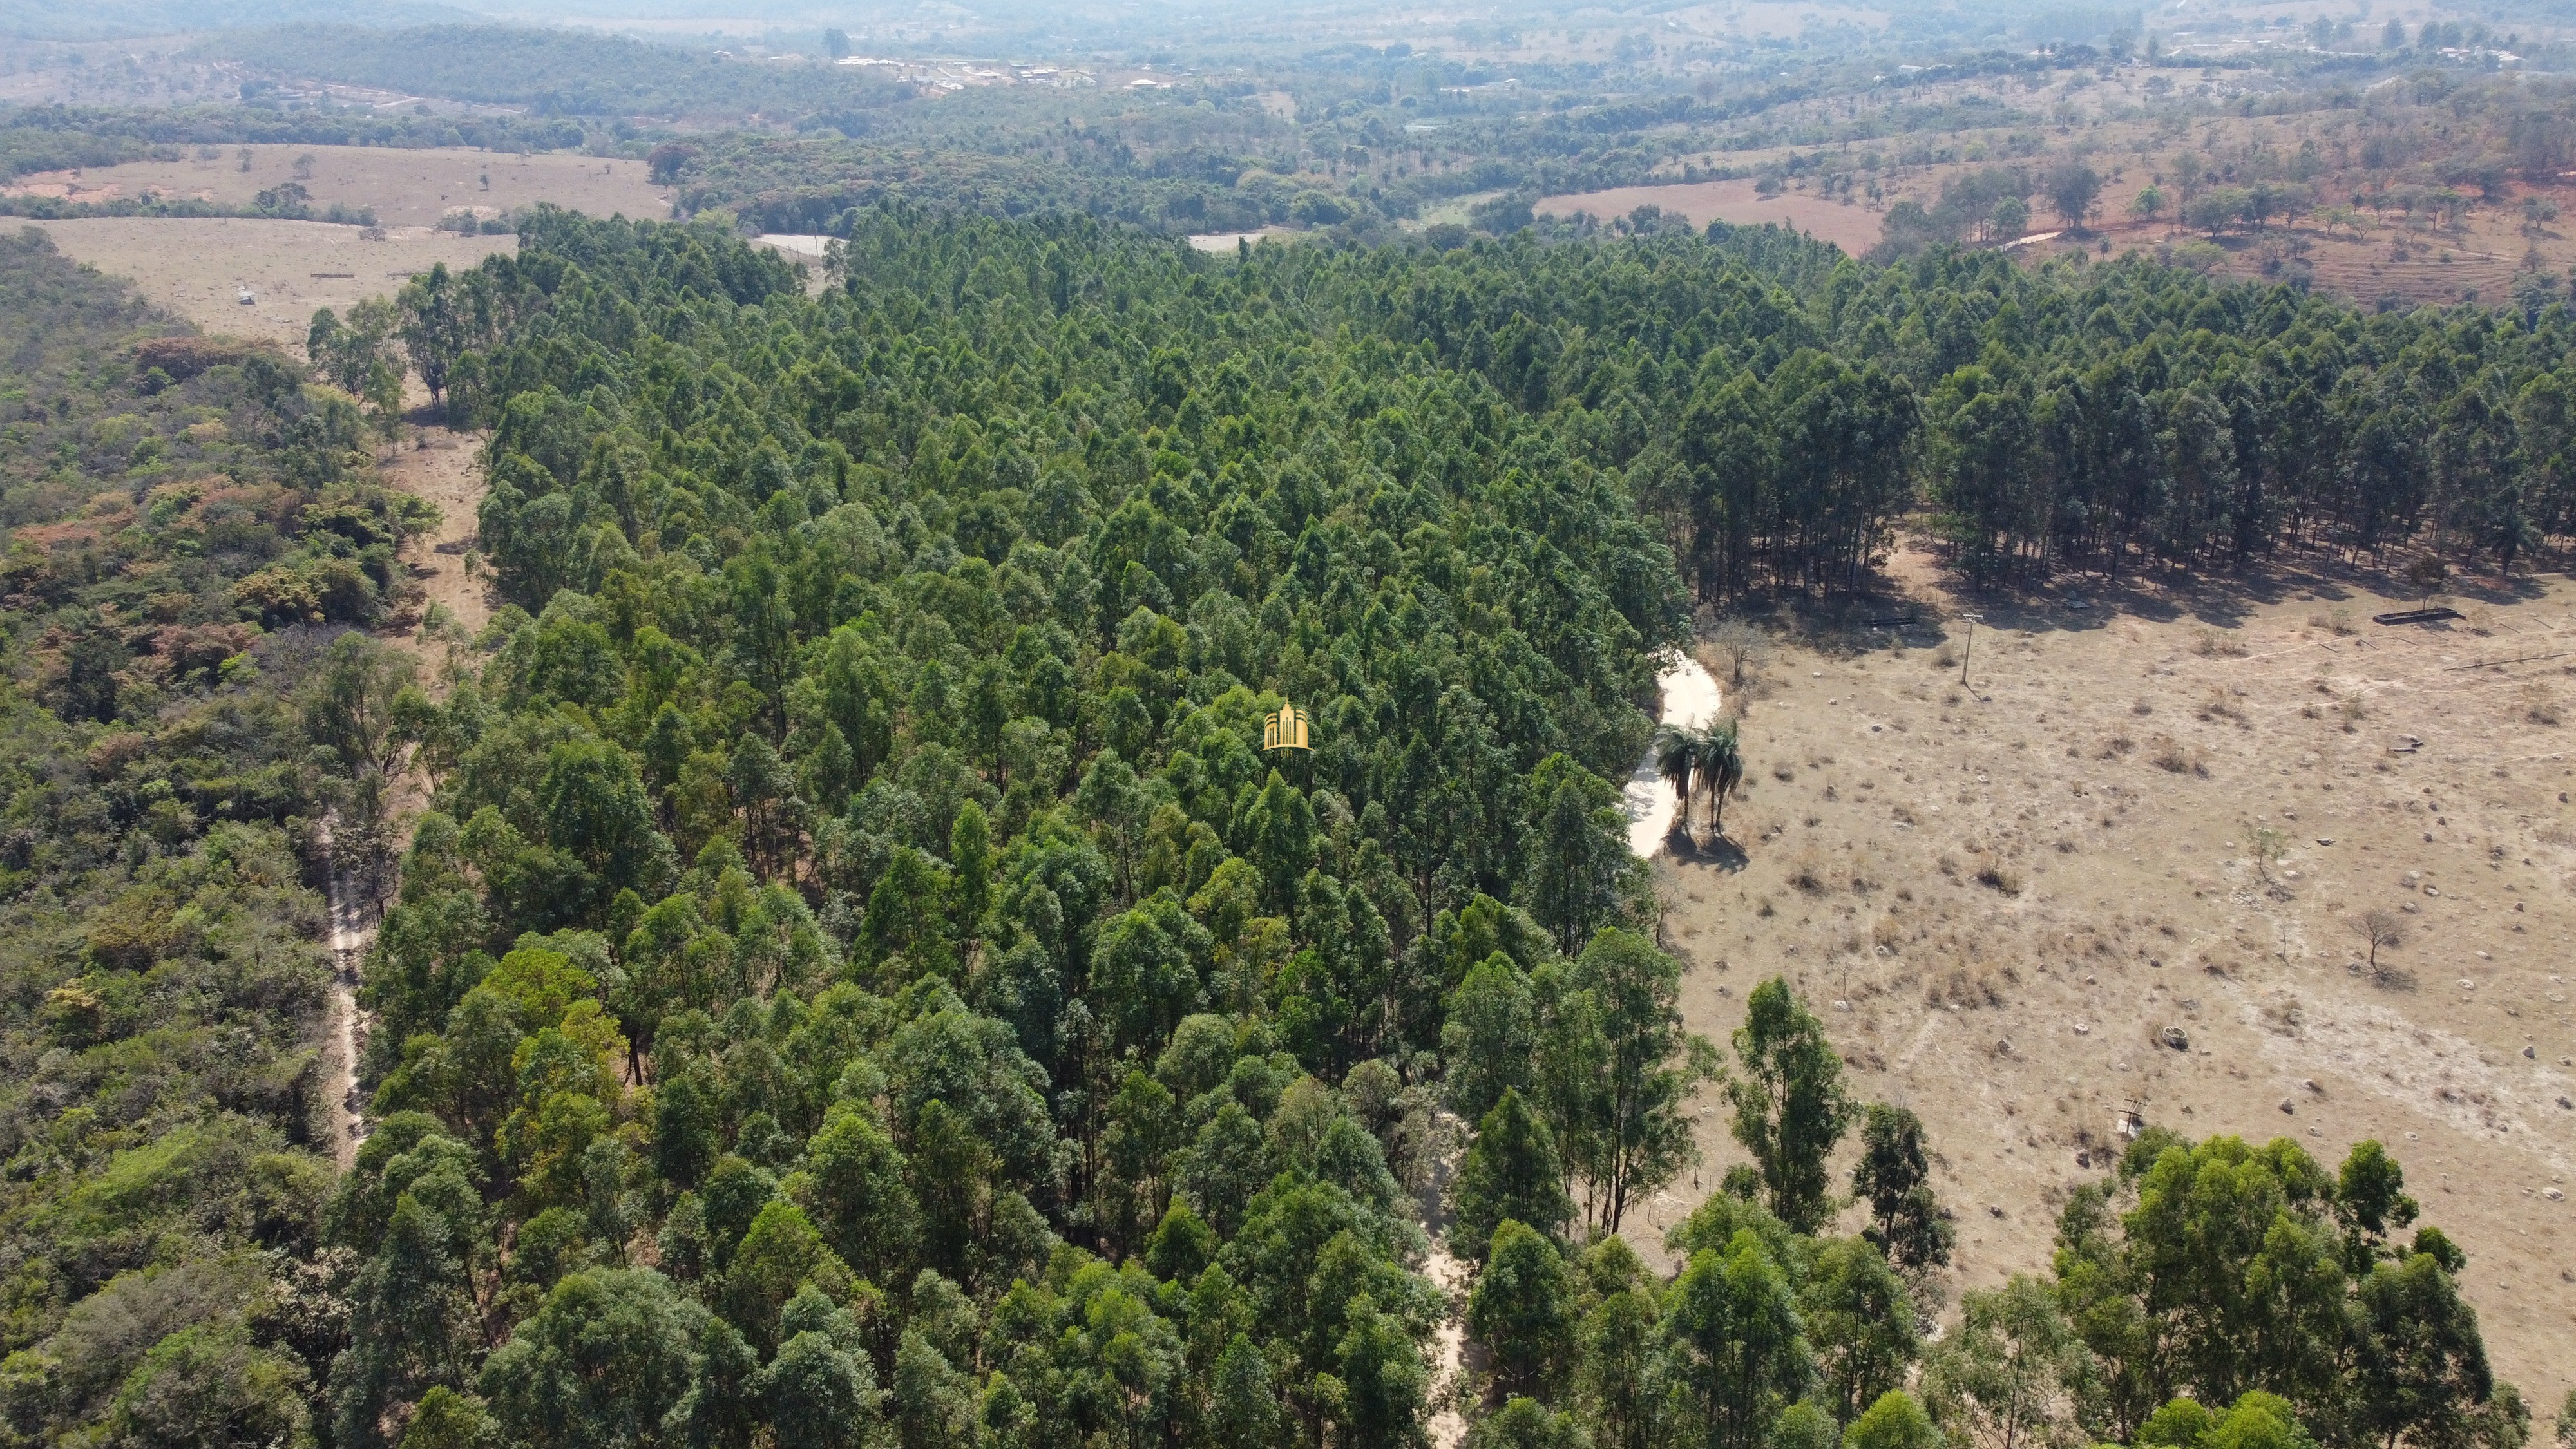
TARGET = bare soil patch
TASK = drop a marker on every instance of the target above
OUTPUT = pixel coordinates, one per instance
(2163, 810)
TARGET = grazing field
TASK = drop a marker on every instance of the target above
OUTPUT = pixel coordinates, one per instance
(1850, 226)
(406, 187)
(197, 266)
(2153, 810)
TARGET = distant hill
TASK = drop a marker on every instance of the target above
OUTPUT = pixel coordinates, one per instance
(101, 19)
(558, 72)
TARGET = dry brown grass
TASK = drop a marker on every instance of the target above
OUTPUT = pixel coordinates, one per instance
(406, 187)
(2175, 758)
(196, 266)
(2072, 875)
(2217, 644)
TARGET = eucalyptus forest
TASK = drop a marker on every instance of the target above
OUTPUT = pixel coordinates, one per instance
(851, 975)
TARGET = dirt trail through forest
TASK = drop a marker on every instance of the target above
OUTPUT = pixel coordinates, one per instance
(442, 465)
(353, 934)
(445, 467)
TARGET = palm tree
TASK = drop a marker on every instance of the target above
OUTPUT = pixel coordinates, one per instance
(1677, 758)
(1721, 769)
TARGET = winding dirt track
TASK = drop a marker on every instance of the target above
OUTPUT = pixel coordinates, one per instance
(441, 465)
(353, 934)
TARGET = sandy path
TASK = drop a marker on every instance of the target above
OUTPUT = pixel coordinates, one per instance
(354, 913)
(1448, 1424)
(440, 465)
(445, 467)
(1690, 697)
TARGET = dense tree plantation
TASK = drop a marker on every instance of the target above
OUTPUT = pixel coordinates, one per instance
(1779, 406)
(858, 979)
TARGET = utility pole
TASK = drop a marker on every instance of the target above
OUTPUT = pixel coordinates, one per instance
(1970, 650)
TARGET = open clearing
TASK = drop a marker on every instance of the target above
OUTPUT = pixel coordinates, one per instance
(1852, 227)
(406, 187)
(1998, 896)
(197, 266)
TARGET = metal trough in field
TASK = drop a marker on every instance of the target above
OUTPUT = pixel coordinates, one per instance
(2415, 616)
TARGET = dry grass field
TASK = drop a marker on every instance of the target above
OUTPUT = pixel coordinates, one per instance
(406, 187)
(2153, 809)
(197, 266)
(2475, 256)
(1852, 227)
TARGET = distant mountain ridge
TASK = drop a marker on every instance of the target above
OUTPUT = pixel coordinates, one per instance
(84, 20)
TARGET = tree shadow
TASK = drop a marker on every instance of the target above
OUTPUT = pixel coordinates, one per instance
(1718, 851)
(1884, 610)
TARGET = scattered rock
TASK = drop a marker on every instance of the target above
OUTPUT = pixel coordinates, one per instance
(2175, 1037)
(2554, 1195)
(2082, 1030)
(2311, 1084)
(2563, 1102)
(1994, 1209)
(2003, 1046)
(2288, 1106)
(2530, 1055)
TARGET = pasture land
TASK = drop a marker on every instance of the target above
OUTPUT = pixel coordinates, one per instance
(197, 266)
(406, 187)
(2154, 808)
